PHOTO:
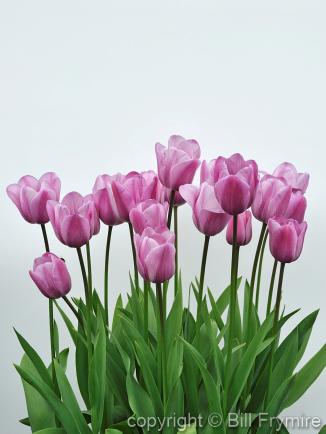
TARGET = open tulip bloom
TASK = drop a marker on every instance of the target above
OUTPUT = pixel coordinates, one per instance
(155, 364)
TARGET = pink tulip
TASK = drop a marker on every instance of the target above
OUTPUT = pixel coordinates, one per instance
(105, 201)
(207, 172)
(297, 206)
(31, 195)
(271, 198)
(207, 214)
(286, 237)
(244, 229)
(155, 255)
(298, 181)
(177, 164)
(149, 213)
(75, 219)
(132, 189)
(235, 183)
(51, 276)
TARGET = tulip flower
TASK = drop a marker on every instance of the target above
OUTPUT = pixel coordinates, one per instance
(75, 219)
(286, 237)
(235, 183)
(105, 201)
(177, 163)
(244, 229)
(207, 171)
(149, 213)
(31, 195)
(132, 189)
(51, 276)
(208, 216)
(155, 255)
(297, 206)
(271, 199)
(298, 181)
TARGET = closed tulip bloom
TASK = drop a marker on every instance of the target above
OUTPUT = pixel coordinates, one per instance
(271, 199)
(286, 237)
(31, 195)
(177, 163)
(298, 181)
(74, 220)
(297, 206)
(244, 229)
(208, 216)
(132, 189)
(235, 183)
(51, 276)
(105, 200)
(149, 213)
(155, 255)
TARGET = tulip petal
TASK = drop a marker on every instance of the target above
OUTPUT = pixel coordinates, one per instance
(75, 230)
(160, 263)
(233, 194)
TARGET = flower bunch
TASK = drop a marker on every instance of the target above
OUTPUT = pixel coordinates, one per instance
(149, 360)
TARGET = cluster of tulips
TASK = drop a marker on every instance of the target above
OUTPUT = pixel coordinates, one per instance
(148, 202)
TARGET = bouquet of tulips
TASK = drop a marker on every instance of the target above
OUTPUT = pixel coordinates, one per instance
(150, 368)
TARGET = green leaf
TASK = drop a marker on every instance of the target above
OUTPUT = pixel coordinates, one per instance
(113, 431)
(174, 321)
(51, 431)
(247, 361)
(224, 299)
(323, 430)
(69, 399)
(60, 409)
(306, 376)
(139, 400)
(39, 411)
(35, 359)
(98, 375)
(190, 430)
(81, 359)
(71, 329)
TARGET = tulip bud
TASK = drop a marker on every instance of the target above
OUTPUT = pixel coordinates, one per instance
(155, 255)
(286, 237)
(31, 195)
(271, 199)
(244, 229)
(235, 183)
(297, 206)
(208, 216)
(51, 276)
(75, 219)
(298, 181)
(177, 164)
(149, 213)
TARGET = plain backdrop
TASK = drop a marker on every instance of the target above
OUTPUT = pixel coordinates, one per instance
(89, 87)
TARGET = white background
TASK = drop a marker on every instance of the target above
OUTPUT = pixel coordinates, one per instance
(89, 87)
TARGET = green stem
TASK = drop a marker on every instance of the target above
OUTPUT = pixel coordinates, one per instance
(89, 271)
(106, 275)
(271, 288)
(146, 290)
(176, 273)
(88, 306)
(134, 257)
(276, 318)
(232, 310)
(260, 267)
(171, 202)
(201, 282)
(253, 277)
(162, 340)
(45, 238)
(72, 308)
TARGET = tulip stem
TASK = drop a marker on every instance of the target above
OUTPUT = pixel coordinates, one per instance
(88, 306)
(72, 308)
(89, 272)
(274, 331)
(146, 290)
(252, 281)
(201, 282)
(271, 288)
(260, 266)
(176, 273)
(232, 310)
(106, 275)
(45, 238)
(162, 340)
(134, 255)
(171, 202)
